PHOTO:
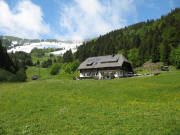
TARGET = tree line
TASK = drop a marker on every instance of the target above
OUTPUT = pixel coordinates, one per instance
(13, 66)
(158, 40)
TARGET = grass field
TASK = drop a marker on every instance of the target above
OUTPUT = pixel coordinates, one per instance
(45, 74)
(129, 106)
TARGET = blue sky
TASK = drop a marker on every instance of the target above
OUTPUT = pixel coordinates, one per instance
(76, 19)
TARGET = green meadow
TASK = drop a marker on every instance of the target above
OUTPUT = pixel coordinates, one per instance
(57, 106)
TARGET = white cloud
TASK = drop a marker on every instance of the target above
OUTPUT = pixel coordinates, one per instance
(24, 20)
(88, 18)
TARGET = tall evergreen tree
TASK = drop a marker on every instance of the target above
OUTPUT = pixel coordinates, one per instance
(155, 49)
(5, 61)
(68, 56)
(165, 52)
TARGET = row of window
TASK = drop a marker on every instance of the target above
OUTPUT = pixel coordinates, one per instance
(102, 73)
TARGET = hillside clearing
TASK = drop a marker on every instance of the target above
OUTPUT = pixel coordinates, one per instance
(148, 105)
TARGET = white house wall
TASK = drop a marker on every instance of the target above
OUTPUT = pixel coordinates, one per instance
(99, 74)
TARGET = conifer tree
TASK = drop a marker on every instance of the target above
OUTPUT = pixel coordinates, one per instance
(165, 51)
(67, 57)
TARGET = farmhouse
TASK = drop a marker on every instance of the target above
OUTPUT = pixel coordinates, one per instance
(105, 67)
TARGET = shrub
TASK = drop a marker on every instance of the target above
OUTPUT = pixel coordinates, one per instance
(75, 65)
(6, 76)
(71, 67)
(46, 63)
(21, 75)
(68, 68)
(55, 69)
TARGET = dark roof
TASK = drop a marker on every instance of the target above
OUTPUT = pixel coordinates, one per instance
(103, 61)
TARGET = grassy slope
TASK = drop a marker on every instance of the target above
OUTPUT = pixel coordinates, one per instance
(45, 74)
(131, 106)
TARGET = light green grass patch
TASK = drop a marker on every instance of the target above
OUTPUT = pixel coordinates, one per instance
(45, 74)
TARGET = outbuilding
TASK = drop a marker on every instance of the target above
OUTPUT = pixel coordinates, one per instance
(105, 67)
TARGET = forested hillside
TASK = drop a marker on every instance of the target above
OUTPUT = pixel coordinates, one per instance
(13, 66)
(158, 40)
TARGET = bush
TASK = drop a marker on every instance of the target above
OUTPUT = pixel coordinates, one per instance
(46, 63)
(71, 67)
(75, 65)
(55, 69)
(21, 75)
(68, 68)
(6, 76)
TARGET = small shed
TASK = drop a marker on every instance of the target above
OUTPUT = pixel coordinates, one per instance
(105, 67)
